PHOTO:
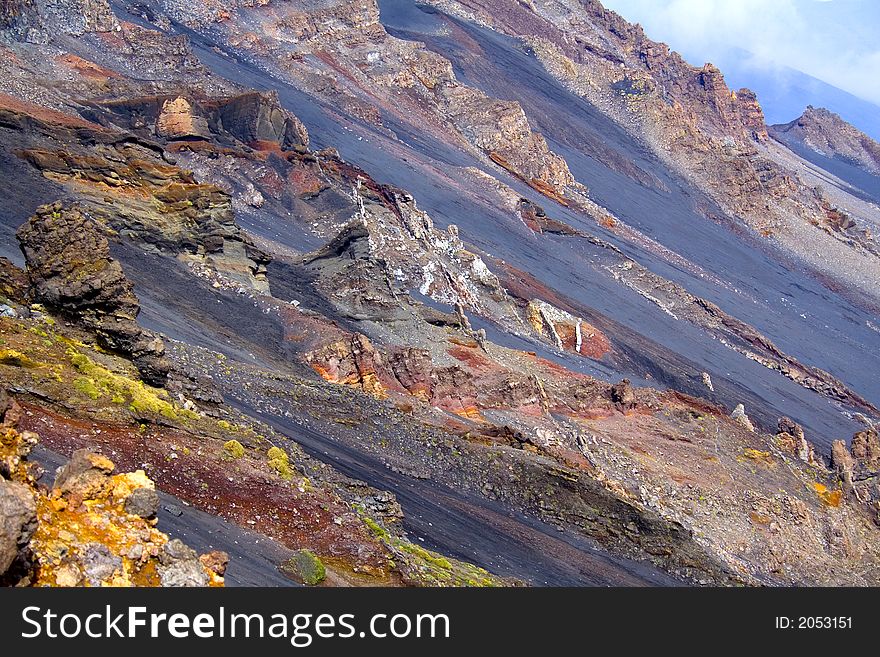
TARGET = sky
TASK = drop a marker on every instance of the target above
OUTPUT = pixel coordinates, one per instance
(836, 41)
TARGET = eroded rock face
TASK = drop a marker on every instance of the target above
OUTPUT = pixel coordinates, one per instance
(257, 118)
(393, 245)
(693, 121)
(78, 16)
(567, 332)
(254, 119)
(346, 35)
(790, 437)
(70, 268)
(858, 468)
(177, 121)
(124, 183)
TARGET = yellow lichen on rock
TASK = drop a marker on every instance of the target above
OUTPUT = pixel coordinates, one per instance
(93, 528)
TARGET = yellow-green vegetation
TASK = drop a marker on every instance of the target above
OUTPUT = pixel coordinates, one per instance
(429, 568)
(15, 358)
(305, 567)
(280, 463)
(86, 386)
(758, 456)
(226, 426)
(233, 449)
(376, 529)
(97, 382)
(426, 555)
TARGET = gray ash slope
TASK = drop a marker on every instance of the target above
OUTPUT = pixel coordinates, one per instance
(715, 261)
(760, 287)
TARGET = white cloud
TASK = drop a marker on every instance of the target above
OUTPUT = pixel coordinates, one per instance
(837, 42)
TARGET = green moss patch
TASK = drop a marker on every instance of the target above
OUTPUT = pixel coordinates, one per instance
(305, 567)
(97, 382)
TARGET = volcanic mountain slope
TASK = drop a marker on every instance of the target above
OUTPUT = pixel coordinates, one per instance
(827, 134)
(226, 293)
(713, 135)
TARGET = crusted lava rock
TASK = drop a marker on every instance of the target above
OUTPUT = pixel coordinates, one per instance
(83, 531)
(70, 268)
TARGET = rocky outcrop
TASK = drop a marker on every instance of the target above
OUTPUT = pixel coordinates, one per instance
(353, 362)
(77, 17)
(858, 468)
(125, 184)
(790, 437)
(70, 268)
(393, 245)
(826, 133)
(177, 121)
(739, 415)
(81, 532)
(253, 119)
(567, 332)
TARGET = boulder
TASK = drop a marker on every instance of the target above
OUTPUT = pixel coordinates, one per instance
(85, 476)
(18, 521)
(143, 502)
(71, 271)
(623, 396)
(179, 566)
(215, 561)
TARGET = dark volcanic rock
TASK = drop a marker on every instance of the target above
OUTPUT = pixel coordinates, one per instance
(258, 117)
(143, 502)
(254, 119)
(70, 268)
